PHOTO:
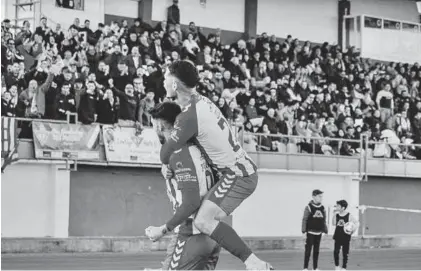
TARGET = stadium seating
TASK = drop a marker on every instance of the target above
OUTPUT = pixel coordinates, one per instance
(286, 96)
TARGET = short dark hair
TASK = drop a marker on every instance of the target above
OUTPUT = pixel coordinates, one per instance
(185, 71)
(342, 203)
(166, 111)
(316, 192)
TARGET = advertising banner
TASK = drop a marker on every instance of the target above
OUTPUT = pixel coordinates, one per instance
(66, 141)
(128, 145)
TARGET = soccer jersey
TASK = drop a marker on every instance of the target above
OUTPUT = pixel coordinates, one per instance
(191, 182)
(202, 122)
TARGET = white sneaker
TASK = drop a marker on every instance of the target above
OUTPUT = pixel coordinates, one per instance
(338, 268)
(305, 269)
(343, 269)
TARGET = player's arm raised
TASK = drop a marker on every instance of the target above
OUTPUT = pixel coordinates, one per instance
(187, 180)
(185, 128)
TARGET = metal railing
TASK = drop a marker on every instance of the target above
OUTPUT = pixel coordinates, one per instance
(301, 145)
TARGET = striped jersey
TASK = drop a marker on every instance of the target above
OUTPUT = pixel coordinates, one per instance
(202, 123)
(192, 178)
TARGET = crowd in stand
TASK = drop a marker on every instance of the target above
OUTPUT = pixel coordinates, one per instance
(114, 74)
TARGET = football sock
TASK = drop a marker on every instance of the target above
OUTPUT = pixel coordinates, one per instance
(229, 240)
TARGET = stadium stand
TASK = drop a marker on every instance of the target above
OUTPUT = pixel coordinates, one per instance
(280, 89)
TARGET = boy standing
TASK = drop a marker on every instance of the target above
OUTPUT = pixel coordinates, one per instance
(313, 226)
(342, 238)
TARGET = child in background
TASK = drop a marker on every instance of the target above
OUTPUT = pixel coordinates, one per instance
(342, 236)
(313, 226)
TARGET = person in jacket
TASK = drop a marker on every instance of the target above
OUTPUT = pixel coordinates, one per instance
(65, 102)
(313, 226)
(173, 15)
(33, 98)
(87, 104)
(107, 108)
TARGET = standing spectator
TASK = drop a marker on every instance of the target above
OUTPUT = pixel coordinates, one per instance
(173, 14)
(33, 98)
(65, 103)
(129, 104)
(156, 51)
(134, 60)
(313, 226)
(145, 105)
(385, 103)
(87, 107)
(107, 108)
(8, 106)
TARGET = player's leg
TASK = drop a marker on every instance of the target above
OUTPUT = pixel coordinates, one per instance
(213, 259)
(345, 253)
(316, 249)
(307, 251)
(221, 201)
(336, 254)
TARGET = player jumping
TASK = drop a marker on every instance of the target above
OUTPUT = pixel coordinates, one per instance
(189, 249)
(202, 123)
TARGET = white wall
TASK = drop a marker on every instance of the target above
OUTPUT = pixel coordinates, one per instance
(405, 10)
(94, 11)
(276, 207)
(391, 45)
(224, 14)
(35, 201)
(125, 8)
(314, 20)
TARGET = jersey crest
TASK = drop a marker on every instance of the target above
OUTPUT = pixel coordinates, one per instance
(318, 214)
(340, 223)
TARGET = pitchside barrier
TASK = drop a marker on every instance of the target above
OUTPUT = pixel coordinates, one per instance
(127, 145)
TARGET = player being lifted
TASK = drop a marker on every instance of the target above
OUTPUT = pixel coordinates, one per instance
(202, 123)
(189, 249)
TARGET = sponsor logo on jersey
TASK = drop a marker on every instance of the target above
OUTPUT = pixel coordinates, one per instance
(186, 177)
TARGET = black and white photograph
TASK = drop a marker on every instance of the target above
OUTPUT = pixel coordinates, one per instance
(210, 135)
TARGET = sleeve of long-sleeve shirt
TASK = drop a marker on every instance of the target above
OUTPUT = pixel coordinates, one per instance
(186, 175)
(185, 128)
(305, 218)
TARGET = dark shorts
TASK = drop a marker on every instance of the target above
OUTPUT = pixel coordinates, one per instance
(195, 252)
(230, 191)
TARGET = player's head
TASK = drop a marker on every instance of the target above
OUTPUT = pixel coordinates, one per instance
(163, 117)
(180, 77)
(341, 205)
(317, 196)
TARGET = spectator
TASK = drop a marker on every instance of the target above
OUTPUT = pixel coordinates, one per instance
(87, 106)
(129, 104)
(145, 105)
(385, 103)
(173, 14)
(134, 60)
(107, 109)
(65, 103)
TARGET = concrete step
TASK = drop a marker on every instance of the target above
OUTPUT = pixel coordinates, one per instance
(143, 244)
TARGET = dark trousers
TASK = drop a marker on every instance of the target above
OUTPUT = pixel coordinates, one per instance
(312, 242)
(345, 252)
